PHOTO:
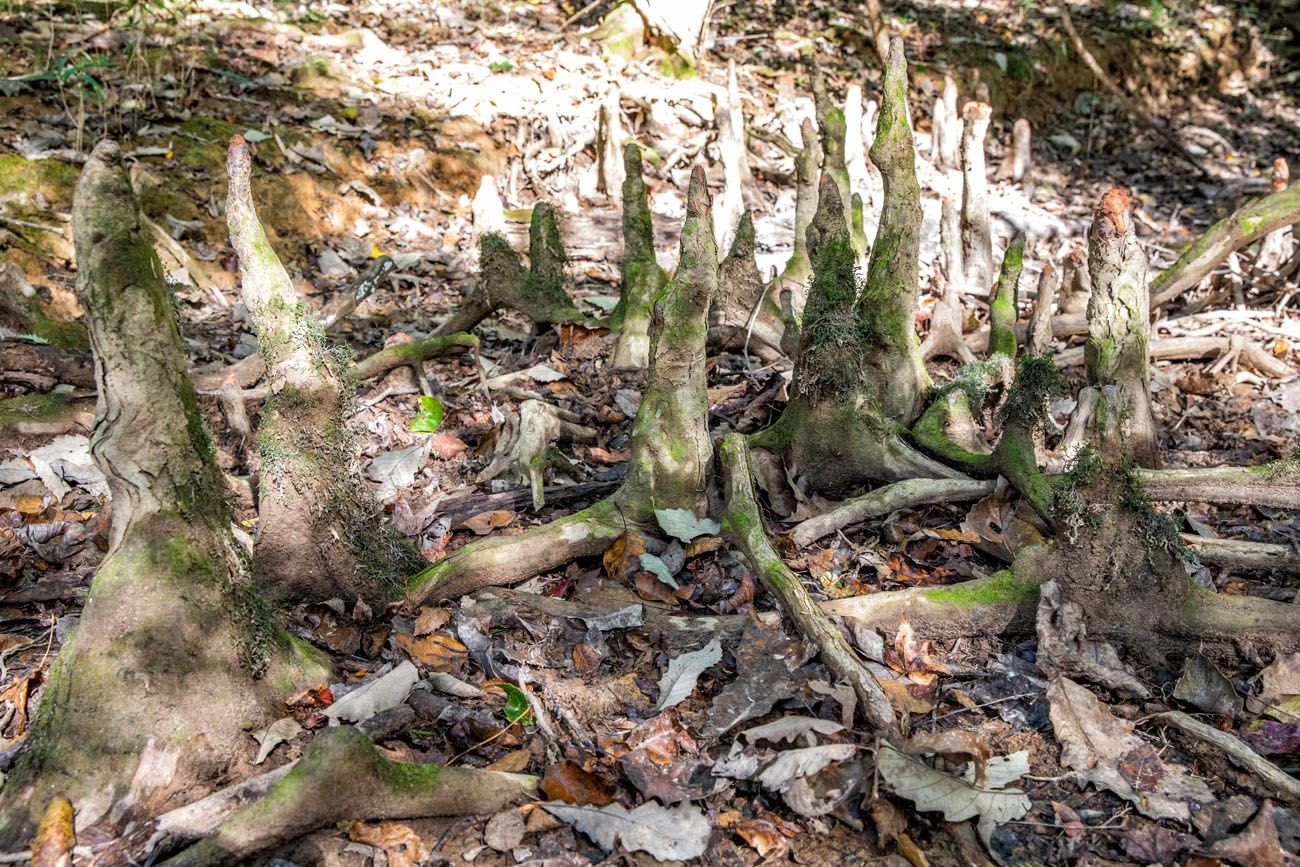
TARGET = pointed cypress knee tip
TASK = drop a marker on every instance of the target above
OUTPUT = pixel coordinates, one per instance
(106, 151)
(698, 201)
(632, 158)
(1114, 207)
(896, 59)
(975, 110)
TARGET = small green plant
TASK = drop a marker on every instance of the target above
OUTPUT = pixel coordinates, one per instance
(501, 66)
(516, 708)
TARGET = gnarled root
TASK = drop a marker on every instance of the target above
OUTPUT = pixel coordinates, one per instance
(413, 354)
(343, 777)
(320, 532)
(536, 291)
(744, 526)
(907, 494)
(527, 441)
(671, 451)
(1240, 229)
(1004, 603)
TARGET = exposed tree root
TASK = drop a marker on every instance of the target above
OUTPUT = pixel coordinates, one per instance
(1276, 484)
(642, 276)
(882, 501)
(320, 531)
(536, 291)
(1277, 781)
(343, 777)
(169, 606)
(1228, 350)
(745, 527)
(671, 451)
(413, 354)
(1243, 555)
(1240, 229)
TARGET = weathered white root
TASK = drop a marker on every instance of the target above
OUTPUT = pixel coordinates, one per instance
(1270, 775)
(524, 446)
(1276, 485)
(1228, 351)
(976, 234)
(1242, 228)
(743, 524)
(900, 495)
(1243, 555)
(342, 776)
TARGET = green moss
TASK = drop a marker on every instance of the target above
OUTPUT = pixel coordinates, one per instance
(1000, 587)
(1037, 381)
(37, 408)
(55, 180)
(830, 353)
(929, 433)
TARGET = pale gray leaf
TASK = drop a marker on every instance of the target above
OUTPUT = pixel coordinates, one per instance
(684, 672)
(933, 790)
(675, 834)
(651, 563)
(377, 695)
(791, 727)
(794, 764)
(682, 524)
(272, 736)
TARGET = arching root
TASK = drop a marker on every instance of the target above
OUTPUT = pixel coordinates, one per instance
(906, 494)
(744, 526)
(343, 777)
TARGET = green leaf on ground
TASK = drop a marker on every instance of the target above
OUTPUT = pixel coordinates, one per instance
(681, 524)
(429, 418)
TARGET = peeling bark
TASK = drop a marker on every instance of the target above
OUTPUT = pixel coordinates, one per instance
(169, 606)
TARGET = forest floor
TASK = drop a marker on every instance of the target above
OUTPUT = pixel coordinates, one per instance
(374, 126)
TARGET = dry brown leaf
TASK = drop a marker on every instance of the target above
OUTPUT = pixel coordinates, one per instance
(567, 781)
(1257, 844)
(605, 456)
(445, 445)
(485, 522)
(903, 699)
(914, 652)
(763, 837)
(403, 846)
(431, 619)
(30, 504)
(954, 745)
(439, 652)
(513, 762)
(1102, 749)
(55, 835)
(623, 557)
(585, 659)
